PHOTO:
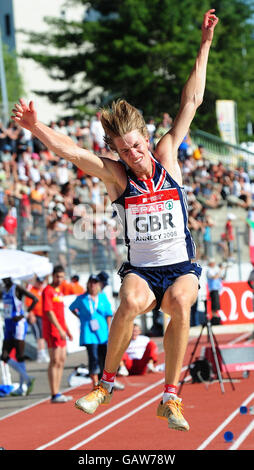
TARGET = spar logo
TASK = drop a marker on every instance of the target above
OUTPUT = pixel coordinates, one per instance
(169, 204)
(151, 208)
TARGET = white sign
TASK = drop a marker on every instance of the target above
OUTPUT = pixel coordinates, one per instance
(227, 120)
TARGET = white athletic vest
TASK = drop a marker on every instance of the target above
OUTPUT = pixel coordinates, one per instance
(154, 217)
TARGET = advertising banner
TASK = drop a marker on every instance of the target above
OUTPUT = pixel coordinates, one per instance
(226, 114)
(250, 222)
(236, 300)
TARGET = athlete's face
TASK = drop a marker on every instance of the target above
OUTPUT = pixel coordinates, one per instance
(133, 150)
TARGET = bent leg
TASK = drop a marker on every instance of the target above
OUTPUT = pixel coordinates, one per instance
(177, 302)
(135, 298)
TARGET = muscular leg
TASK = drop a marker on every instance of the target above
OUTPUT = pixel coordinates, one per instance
(135, 298)
(177, 302)
(55, 369)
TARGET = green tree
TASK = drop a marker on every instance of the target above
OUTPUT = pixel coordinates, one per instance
(14, 82)
(143, 51)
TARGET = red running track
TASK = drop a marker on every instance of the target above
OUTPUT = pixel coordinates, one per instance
(130, 422)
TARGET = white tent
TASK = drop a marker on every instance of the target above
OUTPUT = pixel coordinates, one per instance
(20, 265)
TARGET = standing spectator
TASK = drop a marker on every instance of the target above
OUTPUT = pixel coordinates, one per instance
(103, 277)
(229, 236)
(208, 223)
(76, 287)
(215, 276)
(140, 356)
(95, 313)
(55, 332)
(73, 287)
(97, 133)
(35, 319)
(10, 225)
(15, 328)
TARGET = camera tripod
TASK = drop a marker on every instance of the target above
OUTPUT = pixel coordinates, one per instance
(215, 348)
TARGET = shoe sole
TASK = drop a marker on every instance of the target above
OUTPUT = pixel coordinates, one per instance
(173, 426)
(80, 407)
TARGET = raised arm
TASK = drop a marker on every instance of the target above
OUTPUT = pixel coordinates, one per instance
(62, 145)
(192, 96)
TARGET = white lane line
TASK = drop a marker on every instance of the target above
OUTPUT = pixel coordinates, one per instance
(65, 390)
(78, 427)
(33, 404)
(242, 436)
(239, 338)
(96, 418)
(116, 422)
(224, 423)
(72, 431)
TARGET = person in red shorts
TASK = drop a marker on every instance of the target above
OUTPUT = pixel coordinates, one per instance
(55, 332)
(140, 356)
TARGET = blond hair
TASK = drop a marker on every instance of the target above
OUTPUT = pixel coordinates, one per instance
(121, 119)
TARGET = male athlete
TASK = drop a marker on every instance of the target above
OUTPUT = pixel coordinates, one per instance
(150, 199)
(15, 329)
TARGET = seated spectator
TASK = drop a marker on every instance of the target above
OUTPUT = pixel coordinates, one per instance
(140, 356)
(7, 159)
(62, 127)
(211, 196)
(185, 148)
(164, 126)
(198, 153)
(151, 130)
(62, 173)
(36, 199)
(57, 235)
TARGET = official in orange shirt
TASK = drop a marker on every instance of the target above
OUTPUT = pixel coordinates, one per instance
(77, 288)
(73, 287)
(35, 319)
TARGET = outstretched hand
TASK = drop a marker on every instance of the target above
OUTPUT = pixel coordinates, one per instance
(209, 22)
(24, 115)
